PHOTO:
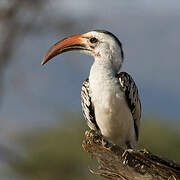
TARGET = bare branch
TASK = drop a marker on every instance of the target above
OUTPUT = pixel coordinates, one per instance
(119, 164)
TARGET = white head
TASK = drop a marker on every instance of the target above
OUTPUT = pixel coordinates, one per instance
(102, 45)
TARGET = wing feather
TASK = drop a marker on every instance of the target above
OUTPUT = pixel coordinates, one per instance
(87, 106)
(132, 97)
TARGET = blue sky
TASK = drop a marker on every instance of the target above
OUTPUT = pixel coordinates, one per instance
(149, 31)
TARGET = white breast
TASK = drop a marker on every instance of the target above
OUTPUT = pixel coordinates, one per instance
(112, 113)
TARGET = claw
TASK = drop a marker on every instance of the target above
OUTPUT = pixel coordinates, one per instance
(105, 143)
(87, 133)
(125, 154)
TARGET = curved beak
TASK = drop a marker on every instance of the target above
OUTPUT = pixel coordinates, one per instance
(72, 43)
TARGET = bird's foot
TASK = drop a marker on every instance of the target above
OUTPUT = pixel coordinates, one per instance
(125, 155)
(106, 144)
(95, 136)
(90, 133)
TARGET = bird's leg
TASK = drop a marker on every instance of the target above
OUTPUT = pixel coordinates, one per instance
(106, 143)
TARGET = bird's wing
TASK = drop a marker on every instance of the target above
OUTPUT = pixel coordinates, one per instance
(131, 93)
(87, 106)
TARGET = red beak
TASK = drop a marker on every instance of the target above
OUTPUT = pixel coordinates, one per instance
(72, 43)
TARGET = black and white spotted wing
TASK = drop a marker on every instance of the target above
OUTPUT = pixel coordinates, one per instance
(87, 106)
(131, 93)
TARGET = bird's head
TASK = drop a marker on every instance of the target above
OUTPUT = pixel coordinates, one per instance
(102, 45)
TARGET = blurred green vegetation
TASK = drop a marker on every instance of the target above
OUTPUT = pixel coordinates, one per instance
(56, 153)
(161, 138)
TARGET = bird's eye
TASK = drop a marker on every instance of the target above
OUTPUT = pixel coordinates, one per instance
(93, 40)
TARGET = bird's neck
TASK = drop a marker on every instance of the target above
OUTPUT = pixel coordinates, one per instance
(102, 71)
(102, 81)
(104, 66)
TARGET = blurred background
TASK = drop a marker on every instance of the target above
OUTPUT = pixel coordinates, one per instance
(41, 124)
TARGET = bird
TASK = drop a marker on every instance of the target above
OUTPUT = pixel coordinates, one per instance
(109, 98)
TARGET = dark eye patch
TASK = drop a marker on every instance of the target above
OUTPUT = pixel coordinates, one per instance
(93, 40)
